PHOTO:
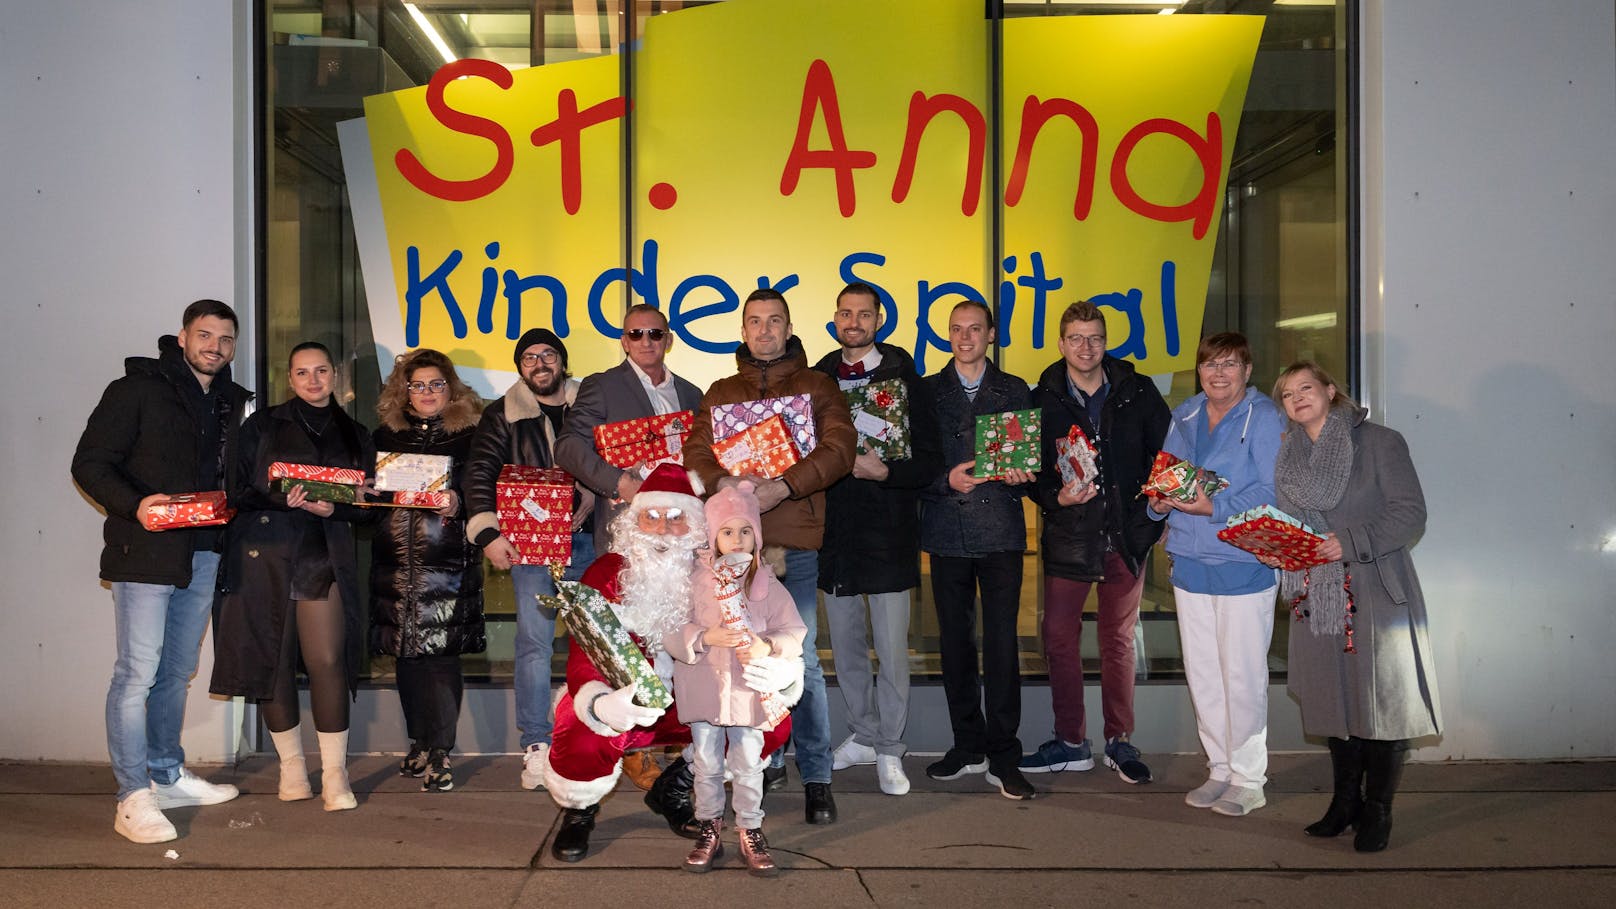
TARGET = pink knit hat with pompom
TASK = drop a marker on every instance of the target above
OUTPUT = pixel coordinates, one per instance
(740, 501)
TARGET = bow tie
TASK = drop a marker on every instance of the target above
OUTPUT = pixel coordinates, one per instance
(845, 370)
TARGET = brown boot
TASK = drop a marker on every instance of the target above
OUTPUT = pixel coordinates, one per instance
(708, 846)
(641, 769)
(755, 849)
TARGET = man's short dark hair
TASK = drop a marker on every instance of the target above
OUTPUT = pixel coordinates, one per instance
(1082, 311)
(767, 293)
(987, 314)
(212, 308)
(859, 287)
(645, 308)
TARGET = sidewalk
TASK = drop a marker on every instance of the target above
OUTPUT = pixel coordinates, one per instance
(1467, 835)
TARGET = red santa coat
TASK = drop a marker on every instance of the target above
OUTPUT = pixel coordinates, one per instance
(584, 763)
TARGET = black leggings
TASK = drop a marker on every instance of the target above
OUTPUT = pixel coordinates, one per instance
(429, 689)
(314, 629)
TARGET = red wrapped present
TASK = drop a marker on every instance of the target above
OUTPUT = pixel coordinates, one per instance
(1267, 531)
(796, 410)
(409, 499)
(764, 450)
(191, 509)
(1076, 458)
(344, 476)
(1173, 478)
(535, 513)
(651, 440)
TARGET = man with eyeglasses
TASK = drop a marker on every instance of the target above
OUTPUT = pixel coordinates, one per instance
(1096, 534)
(521, 429)
(772, 363)
(870, 562)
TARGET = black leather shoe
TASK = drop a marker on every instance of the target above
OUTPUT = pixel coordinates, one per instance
(572, 840)
(669, 797)
(818, 806)
(774, 778)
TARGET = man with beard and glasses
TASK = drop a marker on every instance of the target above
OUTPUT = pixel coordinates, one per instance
(168, 426)
(646, 577)
(521, 429)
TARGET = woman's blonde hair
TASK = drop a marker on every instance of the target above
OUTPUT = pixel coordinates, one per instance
(1320, 376)
(394, 400)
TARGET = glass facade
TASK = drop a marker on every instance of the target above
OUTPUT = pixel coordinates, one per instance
(1281, 269)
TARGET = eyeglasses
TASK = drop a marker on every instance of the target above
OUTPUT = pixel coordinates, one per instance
(436, 386)
(636, 334)
(1090, 341)
(1221, 365)
(547, 357)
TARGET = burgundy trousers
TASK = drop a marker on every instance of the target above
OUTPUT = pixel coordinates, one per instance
(1063, 645)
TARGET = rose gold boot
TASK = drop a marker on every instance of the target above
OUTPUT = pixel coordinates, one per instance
(755, 849)
(708, 846)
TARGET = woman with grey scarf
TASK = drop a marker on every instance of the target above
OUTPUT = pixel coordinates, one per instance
(1360, 654)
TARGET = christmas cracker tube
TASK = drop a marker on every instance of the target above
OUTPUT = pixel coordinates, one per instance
(729, 570)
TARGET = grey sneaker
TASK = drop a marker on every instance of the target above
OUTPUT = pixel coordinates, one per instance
(1205, 795)
(1239, 801)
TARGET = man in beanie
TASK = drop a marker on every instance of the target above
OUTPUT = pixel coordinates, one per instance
(647, 578)
(521, 428)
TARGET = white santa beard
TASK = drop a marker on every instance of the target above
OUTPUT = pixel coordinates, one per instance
(655, 584)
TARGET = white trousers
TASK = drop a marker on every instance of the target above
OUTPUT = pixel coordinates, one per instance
(707, 756)
(1225, 642)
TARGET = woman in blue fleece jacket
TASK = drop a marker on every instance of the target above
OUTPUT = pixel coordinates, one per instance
(1224, 596)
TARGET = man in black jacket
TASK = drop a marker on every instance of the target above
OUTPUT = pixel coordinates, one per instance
(1095, 533)
(870, 561)
(521, 428)
(167, 427)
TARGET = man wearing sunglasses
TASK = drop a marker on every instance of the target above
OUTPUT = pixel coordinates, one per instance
(520, 428)
(640, 386)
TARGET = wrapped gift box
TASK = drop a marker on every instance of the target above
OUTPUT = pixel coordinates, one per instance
(407, 499)
(320, 484)
(881, 416)
(1173, 478)
(796, 410)
(765, 450)
(651, 440)
(535, 513)
(1006, 440)
(1076, 458)
(595, 629)
(402, 471)
(1267, 531)
(191, 509)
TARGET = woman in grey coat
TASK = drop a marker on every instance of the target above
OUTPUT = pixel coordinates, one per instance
(1360, 654)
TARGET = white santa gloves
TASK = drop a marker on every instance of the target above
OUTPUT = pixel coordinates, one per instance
(615, 710)
(771, 673)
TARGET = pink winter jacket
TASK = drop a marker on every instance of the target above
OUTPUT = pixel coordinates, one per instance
(707, 682)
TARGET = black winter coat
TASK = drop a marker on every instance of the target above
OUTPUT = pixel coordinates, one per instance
(1133, 423)
(426, 578)
(255, 575)
(989, 518)
(872, 529)
(141, 439)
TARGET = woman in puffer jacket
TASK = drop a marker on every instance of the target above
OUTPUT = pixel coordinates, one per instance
(426, 580)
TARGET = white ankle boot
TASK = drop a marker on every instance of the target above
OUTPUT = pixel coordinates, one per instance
(334, 788)
(294, 771)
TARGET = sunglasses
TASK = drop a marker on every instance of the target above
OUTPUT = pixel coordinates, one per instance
(638, 334)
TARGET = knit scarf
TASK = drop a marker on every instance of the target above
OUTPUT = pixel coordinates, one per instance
(1310, 478)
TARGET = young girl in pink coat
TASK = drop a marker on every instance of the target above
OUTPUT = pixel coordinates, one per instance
(738, 671)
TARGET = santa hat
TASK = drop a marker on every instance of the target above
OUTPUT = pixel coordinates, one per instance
(739, 501)
(670, 486)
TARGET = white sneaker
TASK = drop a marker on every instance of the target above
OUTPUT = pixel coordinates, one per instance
(139, 820)
(191, 789)
(851, 754)
(889, 771)
(1238, 801)
(1205, 795)
(533, 762)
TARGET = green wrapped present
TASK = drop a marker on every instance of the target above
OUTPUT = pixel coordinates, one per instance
(881, 416)
(595, 628)
(320, 490)
(1006, 440)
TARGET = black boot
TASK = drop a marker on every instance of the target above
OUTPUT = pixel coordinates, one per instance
(669, 797)
(1383, 770)
(1346, 761)
(572, 840)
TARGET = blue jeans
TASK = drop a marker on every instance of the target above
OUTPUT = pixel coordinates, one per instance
(535, 639)
(810, 719)
(160, 629)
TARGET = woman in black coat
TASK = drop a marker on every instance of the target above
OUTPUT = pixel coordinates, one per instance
(426, 579)
(289, 586)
